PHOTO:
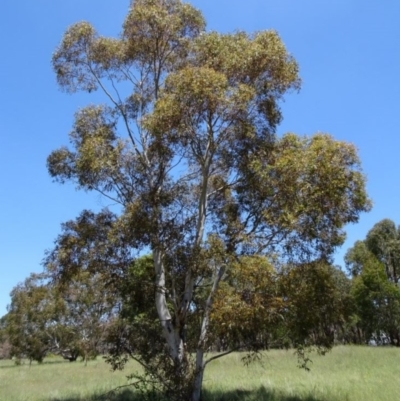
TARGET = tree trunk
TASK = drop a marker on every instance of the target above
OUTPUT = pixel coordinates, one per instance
(175, 347)
(198, 377)
(200, 365)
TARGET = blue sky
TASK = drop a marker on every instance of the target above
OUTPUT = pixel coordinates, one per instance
(349, 56)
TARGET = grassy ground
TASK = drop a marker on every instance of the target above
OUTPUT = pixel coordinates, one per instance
(345, 374)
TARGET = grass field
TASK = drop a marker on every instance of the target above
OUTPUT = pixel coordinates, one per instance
(345, 374)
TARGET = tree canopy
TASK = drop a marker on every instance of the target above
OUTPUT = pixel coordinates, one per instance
(68, 320)
(186, 144)
(374, 264)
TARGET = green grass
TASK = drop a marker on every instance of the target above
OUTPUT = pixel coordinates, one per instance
(345, 374)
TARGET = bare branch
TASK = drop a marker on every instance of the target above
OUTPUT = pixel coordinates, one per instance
(219, 356)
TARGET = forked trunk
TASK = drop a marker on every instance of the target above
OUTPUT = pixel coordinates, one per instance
(200, 365)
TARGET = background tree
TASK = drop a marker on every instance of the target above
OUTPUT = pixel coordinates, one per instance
(82, 313)
(318, 304)
(356, 257)
(383, 241)
(5, 346)
(374, 264)
(186, 146)
(378, 304)
(88, 265)
(27, 319)
(69, 314)
(248, 307)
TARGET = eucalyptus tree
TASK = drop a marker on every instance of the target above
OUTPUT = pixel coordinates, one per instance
(377, 300)
(319, 305)
(185, 143)
(357, 257)
(27, 319)
(383, 241)
(70, 322)
(82, 313)
(5, 346)
(375, 265)
(85, 270)
(68, 314)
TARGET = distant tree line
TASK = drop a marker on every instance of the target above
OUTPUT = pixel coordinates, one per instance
(260, 305)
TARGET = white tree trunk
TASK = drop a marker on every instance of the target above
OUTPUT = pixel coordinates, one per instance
(200, 365)
(175, 344)
(198, 378)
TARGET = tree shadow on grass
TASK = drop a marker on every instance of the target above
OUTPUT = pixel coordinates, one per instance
(260, 394)
(123, 395)
(12, 364)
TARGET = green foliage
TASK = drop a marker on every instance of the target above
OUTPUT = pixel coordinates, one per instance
(248, 307)
(318, 303)
(303, 187)
(137, 325)
(374, 264)
(88, 245)
(383, 241)
(356, 257)
(5, 346)
(65, 315)
(27, 317)
(303, 305)
(378, 302)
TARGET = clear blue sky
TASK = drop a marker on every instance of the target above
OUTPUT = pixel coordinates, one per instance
(349, 56)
